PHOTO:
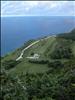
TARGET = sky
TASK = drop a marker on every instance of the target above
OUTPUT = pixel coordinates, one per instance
(37, 8)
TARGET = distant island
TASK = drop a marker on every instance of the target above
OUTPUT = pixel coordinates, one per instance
(42, 69)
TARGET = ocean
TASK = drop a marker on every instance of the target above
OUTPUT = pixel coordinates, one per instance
(15, 31)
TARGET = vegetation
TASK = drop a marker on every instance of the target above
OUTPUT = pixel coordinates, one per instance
(63, 50)
(51, 77)
(70, 35)
(10, 64)
(40, 61)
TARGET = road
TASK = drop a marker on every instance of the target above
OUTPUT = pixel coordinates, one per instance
(21, 56)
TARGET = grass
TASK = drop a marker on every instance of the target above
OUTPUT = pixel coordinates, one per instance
(41, 47)
(25, 66)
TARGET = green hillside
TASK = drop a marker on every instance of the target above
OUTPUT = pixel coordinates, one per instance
(45, 72)
(70, 35)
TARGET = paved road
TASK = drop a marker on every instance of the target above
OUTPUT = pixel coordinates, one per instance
(21, 56)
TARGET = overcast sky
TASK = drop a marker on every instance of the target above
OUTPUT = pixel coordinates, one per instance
(37, 8)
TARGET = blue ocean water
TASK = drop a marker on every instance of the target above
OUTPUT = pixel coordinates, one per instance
(15, 31)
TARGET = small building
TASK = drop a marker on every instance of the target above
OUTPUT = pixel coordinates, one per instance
(35, 56)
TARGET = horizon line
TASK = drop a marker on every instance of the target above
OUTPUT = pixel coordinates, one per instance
(34, 15)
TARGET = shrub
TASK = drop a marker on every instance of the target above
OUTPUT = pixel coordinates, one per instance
(60, 53)
(39, 61)
(10, 64)
(55, 64)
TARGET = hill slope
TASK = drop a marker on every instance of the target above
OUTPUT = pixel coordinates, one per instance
(46, 71)
(70, 35)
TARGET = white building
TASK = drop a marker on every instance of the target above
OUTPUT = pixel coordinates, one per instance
(35, 56)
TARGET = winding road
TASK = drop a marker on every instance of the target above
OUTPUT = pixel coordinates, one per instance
(21, 56)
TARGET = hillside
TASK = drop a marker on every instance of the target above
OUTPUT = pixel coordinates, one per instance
(46, 70)
(70, 35)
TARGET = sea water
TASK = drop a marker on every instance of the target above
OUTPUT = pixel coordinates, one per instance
(15, 31)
